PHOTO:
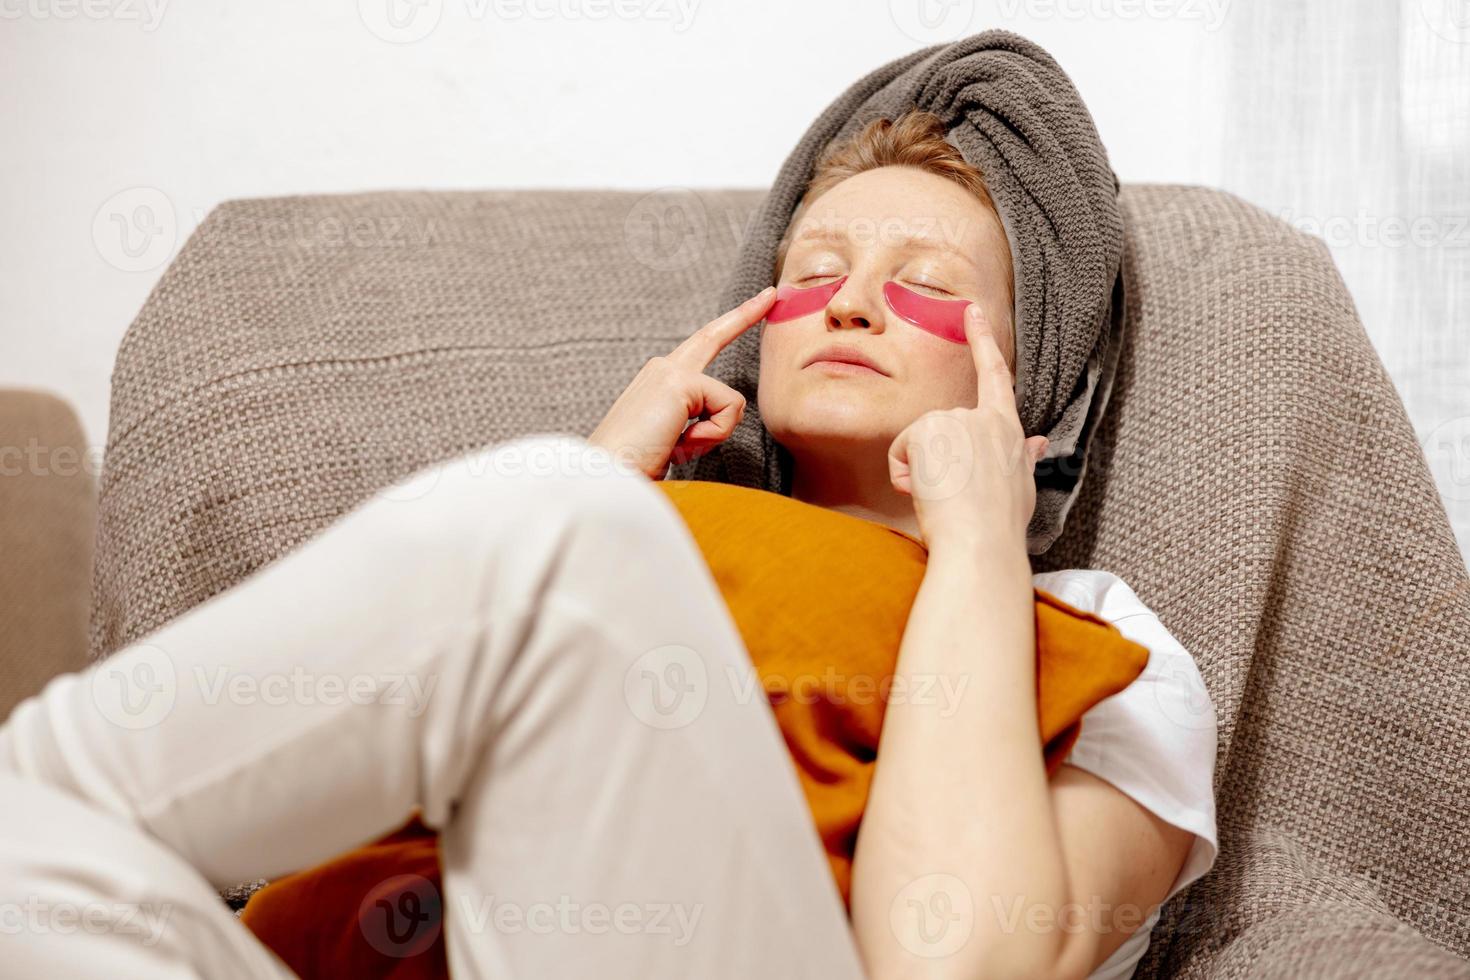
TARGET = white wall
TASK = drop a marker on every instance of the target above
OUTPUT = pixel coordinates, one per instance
(138, 116)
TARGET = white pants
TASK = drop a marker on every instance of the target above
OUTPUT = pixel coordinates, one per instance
(525, 643)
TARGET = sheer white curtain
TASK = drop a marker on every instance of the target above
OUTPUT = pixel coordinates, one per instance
(1351, 120)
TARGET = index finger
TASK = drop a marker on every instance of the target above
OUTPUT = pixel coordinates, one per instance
(993, 377)
(699, 348)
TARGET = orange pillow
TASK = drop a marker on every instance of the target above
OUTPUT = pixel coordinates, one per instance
(821, 600)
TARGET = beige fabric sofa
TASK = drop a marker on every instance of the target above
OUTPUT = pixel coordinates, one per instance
(47, 513)
(1257, 483)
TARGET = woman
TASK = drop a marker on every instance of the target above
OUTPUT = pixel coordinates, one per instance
(860, 436)
(467, 643)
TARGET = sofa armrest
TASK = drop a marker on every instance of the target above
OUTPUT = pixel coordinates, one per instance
(1338, 938)
(47, 521)
(1271, 908)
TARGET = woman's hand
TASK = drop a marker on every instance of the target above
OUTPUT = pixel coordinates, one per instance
(646, 425)
(970, 471)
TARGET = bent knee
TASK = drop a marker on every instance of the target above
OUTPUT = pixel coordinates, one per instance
(550, 474)
(538, 466)
(543, 483)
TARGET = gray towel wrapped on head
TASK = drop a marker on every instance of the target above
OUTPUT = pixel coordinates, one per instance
(1014, 115)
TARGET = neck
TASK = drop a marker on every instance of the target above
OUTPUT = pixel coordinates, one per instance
(853, 480)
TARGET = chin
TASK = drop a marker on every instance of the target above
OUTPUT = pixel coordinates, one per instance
(824, 418)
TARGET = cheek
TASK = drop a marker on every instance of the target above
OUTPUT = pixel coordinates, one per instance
(772, 346)
(783, 344)
(941, 375)
(772, 355)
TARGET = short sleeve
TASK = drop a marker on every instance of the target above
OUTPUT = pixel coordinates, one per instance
(1156, 739)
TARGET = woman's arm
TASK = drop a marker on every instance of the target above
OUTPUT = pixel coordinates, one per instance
(959, 869)
(969, 863)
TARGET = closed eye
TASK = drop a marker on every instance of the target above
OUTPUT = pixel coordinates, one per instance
(925, 285)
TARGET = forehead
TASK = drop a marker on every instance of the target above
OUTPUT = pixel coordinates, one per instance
(899, 209)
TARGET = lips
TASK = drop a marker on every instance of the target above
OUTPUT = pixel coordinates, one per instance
(844, 354)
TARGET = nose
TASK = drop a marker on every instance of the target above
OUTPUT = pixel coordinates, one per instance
(853, 307)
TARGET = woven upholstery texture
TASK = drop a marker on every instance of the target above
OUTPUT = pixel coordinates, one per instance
(1255, 480)
(47, 506)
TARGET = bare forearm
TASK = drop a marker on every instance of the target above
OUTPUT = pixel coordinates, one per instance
(959, 806)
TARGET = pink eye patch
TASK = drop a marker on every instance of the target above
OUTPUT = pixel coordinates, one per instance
(944, 318)
(792, 301)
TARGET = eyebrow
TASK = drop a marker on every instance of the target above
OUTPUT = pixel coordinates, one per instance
(928, 243)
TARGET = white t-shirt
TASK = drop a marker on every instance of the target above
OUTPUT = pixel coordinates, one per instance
(1154, 740)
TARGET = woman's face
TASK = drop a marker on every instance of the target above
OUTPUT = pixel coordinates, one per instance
(893, 223)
